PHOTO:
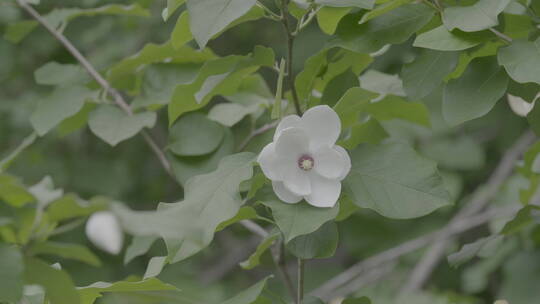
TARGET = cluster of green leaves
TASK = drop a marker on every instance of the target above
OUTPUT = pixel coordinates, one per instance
(401, 125)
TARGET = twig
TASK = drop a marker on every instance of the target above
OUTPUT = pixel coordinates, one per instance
(300, 282)
(480, 199)
(117, 97)
(256, 133)
(501, 35)
(352, 273)
(290, 48)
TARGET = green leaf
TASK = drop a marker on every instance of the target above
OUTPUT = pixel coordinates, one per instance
(426, 73)
(475, 93)
(228, 114)
(172, 6)
(209, 17)
(276, 107)
(522, 60)
(155, 266)
(448, 152)
(11, 273)
(8, 160)
(469, 251)
(71, 206)
(298, 219)
(64, 102)
(367, 4)
(351, 104)
(254, 259)
(362, 300)
(245, 213)
(383, 8)
(393, 27)
(382, 83)
(479, 16)
(139, 246)
(53, 73)
(395, 181)
(328, 18)
(58, 285)
(319, 244)
(526, 216)
(90, 293)
(485, 50)
(195, 135)
(114, 126)
(13, 192)
(393, 107)
(370, 132)
(221, 76)
(441, 39)
(16, 32)
(189, 226)
(67, 251)
(249, 295)
(75, 122)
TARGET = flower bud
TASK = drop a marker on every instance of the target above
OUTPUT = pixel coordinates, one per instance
(103, 230)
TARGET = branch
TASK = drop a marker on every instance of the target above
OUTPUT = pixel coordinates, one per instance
(290, 48)
(256, 133)
(480, 199)
(117, 97)
(327, 291)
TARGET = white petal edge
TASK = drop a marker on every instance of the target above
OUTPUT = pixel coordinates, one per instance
(103, 230)
(322, 125)
(270, 163)
(348, 163)
(284, 194)
(329, 162)
(286, 122)
(324, 192)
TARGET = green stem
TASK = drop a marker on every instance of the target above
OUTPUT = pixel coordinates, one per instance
(300, 287)
(290, 48)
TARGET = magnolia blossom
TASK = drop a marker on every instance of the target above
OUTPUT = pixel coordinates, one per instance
(519, 106)
(103, 230)
(304, 161)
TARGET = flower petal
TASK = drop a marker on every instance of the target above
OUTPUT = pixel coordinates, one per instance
(297, 180)
(329, 162)
(324, 192)
(322, 125)
(292, 143)
(271, 165)
(347, 159)
(284, 194)
(287, 122)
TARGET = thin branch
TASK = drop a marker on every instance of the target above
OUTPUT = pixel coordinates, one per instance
(117, 97)
(256, 133)
(480, 199)
(327, 290)
(501, 35)
(290, 48)
(300, 282)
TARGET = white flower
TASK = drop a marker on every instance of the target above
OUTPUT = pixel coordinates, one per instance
(103, 230)
(303, 160)
(519, 105)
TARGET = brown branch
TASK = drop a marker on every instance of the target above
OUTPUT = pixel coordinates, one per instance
(480, 199)
(290, 47)
(117, 97)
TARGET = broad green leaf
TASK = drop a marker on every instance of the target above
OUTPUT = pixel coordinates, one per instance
(71, 206)
(485, 50)
(382, 83)
(62, 103)
(123, 74)
(189, 226)
(526, 216)
(394, 107)
(448, 152)
(16, 32)
(228, 114)
(393, 27)
(54, 73)
(139, 246)
(475, 93)
(114, 126)
(312, 69)
(441, 39)
(249, 295)
(186, 167)
(395, 181)
(427, 72)
(469, 251)
(209, 17)
(59, 287)
(245, 213)
(328, 18)
(353, 102)
(367, 4)
(75, 122)
(8, 160)
(13, 192)
(298, 219)
(319, 244)
(254, 259)
(479, 16)
(338, 86)
(520, 274)
(221, 76)
(67, 251)
(195, 135)
(11, 273)
(362, 300)
(90, 293)
(383, 8)
(172, 6)
(370, 132)
(522, 60)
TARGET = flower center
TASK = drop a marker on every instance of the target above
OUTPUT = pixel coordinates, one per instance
(306, 162)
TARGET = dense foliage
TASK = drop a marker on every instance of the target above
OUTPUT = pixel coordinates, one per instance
(148, 118)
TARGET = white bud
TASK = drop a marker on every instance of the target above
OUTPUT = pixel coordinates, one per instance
(103, 230)
(519, 106)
